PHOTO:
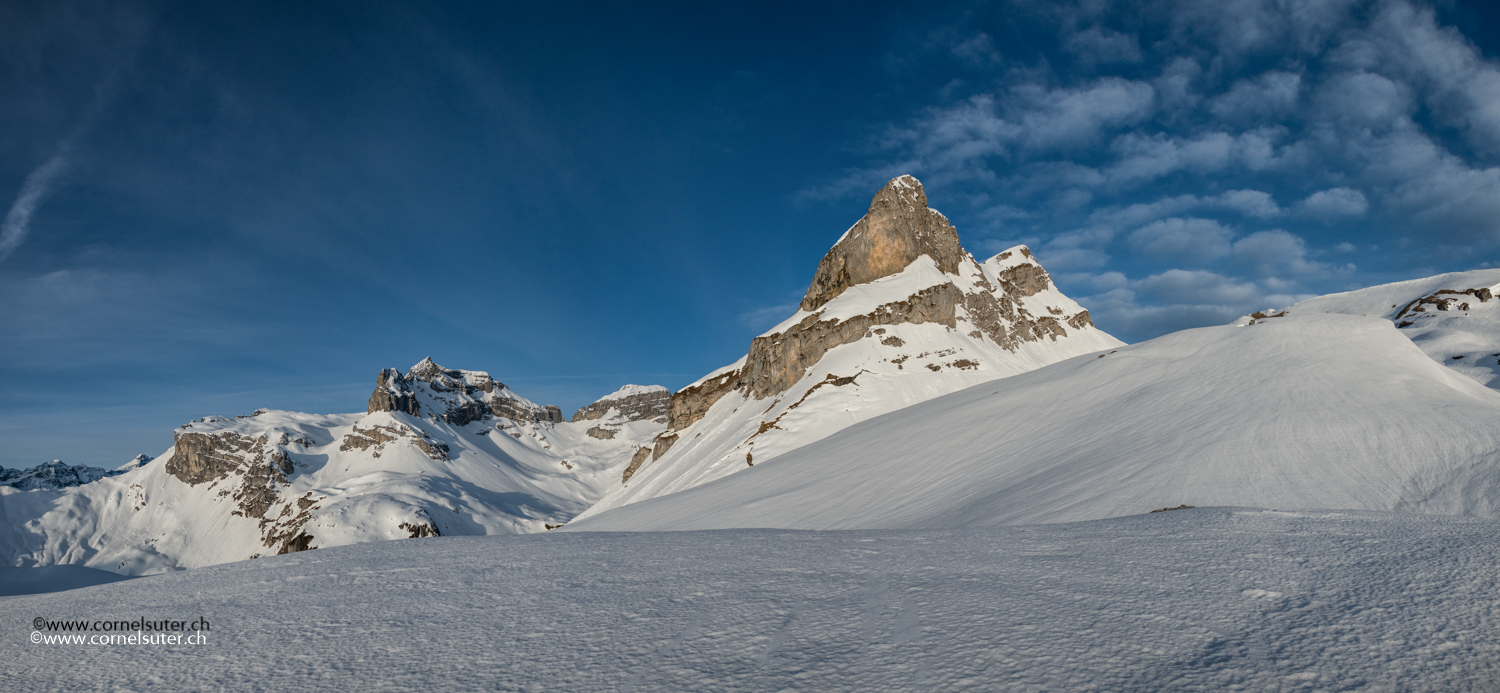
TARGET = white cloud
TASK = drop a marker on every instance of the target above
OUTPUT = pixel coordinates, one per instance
(1195, 240)
(1335, 202)
(1070, 118)
(36, 186)
(1199, 287)
(1144, 158)
(1268, 95)
(1079, 249)
(1362, 100)
(1275, 253)
(1252, 203)
(1463, 86)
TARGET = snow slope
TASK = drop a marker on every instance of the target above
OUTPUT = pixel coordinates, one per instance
(1452, 317)
(1201, 600)
(461, 454)
(1311, 410)
(878, 346)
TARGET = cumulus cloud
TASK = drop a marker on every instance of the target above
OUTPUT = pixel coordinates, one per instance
(1220, 137)
(1080, 249)
(1268, 95)
(1195, 240)
(1070, 118)
(37, 185)
(1277, 253)
(1335, 202)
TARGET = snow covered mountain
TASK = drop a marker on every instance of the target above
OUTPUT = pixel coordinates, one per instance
(438, 451)
(52, 475)
(1367, 400)
(897, 313)
(1453, 318)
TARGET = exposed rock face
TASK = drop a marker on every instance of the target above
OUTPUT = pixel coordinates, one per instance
(260, 468)
(377, 436)
(636, 461)
(634, 402)
(777, 361)
(201, 457)
(897, 230)
(692, 402)
(393, 393)
(1028, 278)
(456, 396)
(1446, 299)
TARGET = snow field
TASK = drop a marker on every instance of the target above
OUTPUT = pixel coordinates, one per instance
(1307, 411)
(1208, 599)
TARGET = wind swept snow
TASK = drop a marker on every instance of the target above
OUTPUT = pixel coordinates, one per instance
(1207, 599)
(1307, 411)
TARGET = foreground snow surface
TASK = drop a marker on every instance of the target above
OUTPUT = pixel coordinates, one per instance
(1204, 599)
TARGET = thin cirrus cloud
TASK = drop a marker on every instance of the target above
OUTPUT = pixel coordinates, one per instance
(37, 185)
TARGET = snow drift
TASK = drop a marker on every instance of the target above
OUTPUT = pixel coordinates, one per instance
(1310, 410)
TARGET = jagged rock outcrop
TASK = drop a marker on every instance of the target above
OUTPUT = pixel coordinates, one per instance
(897, 312)
(633, 402)
(636, 461)
(456, 396)
(375, 437)
(777, 361)
(1030, 279)
(393, 393)
(1444, 300)
(201, 457)
(254, 472)
(692, 402)
(898, 229)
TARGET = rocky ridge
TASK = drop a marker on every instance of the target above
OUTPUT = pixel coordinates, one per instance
(438, 451)
(897, 312)
(633, 402)
(53, 475)
(456, 396)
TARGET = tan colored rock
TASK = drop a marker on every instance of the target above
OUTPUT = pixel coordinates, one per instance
(639, 407)
(691, 403)
(1028, 278)
(636, 460)
(776, 362)
(664, 442)
(898, 229)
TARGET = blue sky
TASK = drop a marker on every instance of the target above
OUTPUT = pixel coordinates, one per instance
(213, 210)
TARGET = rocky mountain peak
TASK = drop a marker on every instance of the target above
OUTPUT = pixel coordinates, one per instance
(457, 396)
(633, 402)
(897, 230)
(426, 369)
(52, 475)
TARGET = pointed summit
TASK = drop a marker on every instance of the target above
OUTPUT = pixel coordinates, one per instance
(425, 369)
(898, 229)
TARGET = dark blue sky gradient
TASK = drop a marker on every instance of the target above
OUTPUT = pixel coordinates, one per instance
(262, 206)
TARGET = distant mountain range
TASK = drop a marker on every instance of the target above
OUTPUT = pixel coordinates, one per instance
(915, 386)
